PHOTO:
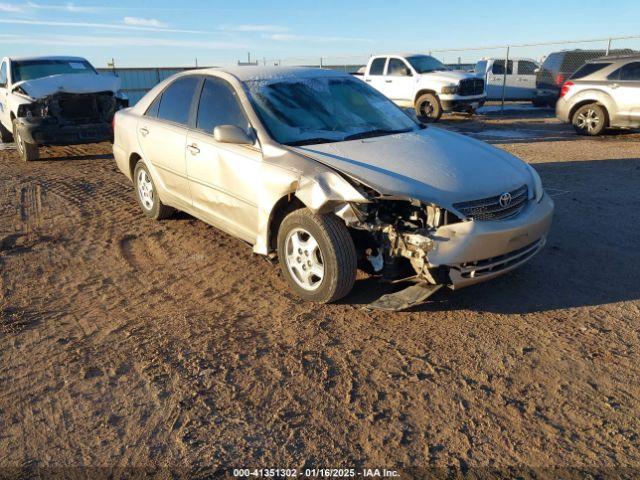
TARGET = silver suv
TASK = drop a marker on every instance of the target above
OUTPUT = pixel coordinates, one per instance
(604, 92)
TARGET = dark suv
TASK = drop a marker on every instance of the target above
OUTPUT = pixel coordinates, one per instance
(558, 67)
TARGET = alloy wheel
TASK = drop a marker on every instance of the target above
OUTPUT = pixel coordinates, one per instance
(304, 259)
(145, 189)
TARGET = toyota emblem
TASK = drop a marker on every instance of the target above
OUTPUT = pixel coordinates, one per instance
(505, 200)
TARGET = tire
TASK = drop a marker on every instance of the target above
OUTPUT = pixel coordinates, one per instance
(428, 108)
(333, 250)
(149, 201)
(5, 135)
(26, 151)
(590, 119)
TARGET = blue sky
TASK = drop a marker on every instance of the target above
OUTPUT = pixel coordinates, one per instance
(171, 33)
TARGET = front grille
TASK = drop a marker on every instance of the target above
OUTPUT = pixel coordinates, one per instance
(82, 108)
(491, 209)
(471, 86)
(501, 262)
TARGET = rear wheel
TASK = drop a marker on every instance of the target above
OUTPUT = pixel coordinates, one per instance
(590, 119)
(5, 135)
(26, 151)
(428, 108)
(317, 256)
(147, 194)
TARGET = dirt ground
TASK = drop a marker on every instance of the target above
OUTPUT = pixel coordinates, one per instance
(169, 346)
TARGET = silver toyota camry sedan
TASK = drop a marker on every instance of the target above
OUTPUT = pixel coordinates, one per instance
(318, 169)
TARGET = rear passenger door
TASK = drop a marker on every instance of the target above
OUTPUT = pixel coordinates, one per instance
(526, 79)
(162, 133)
(375, 76)
(224, 178)
(625, 90)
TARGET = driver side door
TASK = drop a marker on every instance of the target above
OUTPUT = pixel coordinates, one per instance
(224, 178)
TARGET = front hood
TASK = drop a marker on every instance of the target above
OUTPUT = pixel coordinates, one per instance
(432, 165)
(446, 76)
(69, 83)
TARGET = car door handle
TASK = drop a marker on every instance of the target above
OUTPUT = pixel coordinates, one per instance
(144, 131)
(614, 85)
(388, 81)
(368, 80)
(193, 148)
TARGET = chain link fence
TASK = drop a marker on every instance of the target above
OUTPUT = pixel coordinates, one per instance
(511, 71)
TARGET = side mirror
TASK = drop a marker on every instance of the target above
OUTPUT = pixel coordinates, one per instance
(231, 134)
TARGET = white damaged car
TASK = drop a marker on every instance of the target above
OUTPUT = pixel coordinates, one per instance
(55, 101)
(320, 170)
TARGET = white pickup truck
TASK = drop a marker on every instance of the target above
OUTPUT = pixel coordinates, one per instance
(426, 84)
(55, 101)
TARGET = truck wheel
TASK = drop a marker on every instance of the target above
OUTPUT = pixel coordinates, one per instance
(590, 119)
(26, 151)
(147, 194)
(317, 256)
(428, 108)
(5, 135)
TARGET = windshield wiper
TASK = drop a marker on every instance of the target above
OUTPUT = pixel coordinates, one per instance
(375, 133)
(311, 141)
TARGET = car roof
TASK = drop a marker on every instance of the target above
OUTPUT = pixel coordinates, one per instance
(46, 57)
(249, 73)
(631, 56)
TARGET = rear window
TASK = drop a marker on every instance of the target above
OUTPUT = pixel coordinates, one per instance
(553, 62)
(32, 69)
(588, 69)
(377, 66)
(629, 72)
(176, 100)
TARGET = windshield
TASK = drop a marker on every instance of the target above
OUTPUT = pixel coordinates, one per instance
(31, 69)
(304, 111)
(425, 64)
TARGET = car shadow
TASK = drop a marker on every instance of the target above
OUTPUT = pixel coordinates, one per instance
(79, 157)
(591, 257)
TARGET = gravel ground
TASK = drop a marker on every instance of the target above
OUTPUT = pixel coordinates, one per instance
(130, 343)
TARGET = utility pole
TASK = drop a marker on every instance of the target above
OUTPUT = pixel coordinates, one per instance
(504, 80)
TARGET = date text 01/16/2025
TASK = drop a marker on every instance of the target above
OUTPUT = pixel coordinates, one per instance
(315, 473)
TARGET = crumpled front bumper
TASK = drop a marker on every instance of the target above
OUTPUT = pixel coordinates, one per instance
(49, 132)
(474, 252)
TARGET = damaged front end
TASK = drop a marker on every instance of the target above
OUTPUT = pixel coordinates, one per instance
(68, 118)
(394, 237)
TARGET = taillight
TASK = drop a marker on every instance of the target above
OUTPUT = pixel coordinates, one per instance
(559, 79)
(565, 88)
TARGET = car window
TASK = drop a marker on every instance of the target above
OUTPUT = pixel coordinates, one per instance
(525, 67)
(481, 67)
(498, 67)
(377, 66)
(176, 100)
(3, 74)
(398, 68)
(588, 69)
(629, 72)
(553, 62)
(219, 105)
(152, 111)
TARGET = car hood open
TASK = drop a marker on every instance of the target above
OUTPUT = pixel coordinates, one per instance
(69, 83)
(431, 165)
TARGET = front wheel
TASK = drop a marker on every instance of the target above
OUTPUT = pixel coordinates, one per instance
(26, 151)
(590, 119)
(428, 108)
(317, 256)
